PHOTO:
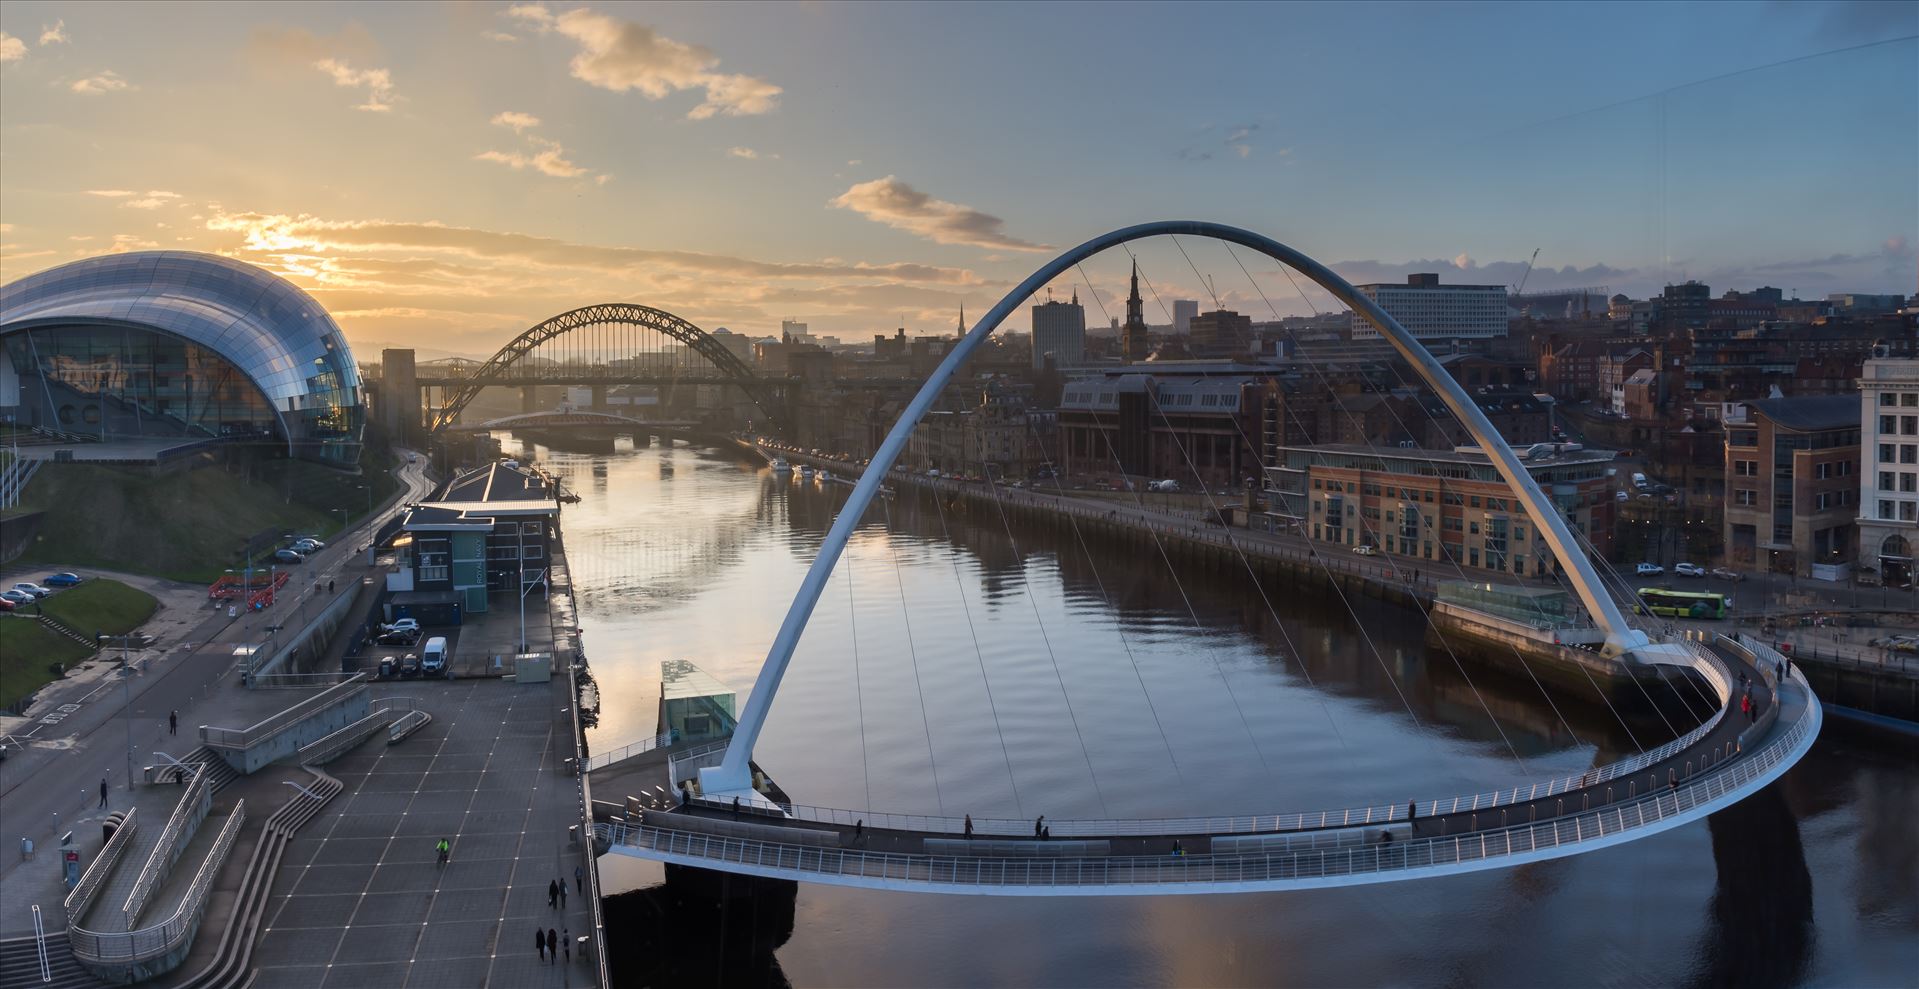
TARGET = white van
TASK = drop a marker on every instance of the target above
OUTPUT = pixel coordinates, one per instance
(433, 657)
(1638, 480)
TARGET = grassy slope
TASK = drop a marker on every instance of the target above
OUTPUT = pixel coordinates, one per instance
(190, 525)
(26, 647)
(100, 606)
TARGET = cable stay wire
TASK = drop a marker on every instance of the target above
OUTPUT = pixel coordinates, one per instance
(859, 689)
(979, 654)
(912, 651)
(1046, 640)
(1428, 522)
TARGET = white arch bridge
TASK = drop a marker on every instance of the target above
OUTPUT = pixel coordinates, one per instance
(734, 827)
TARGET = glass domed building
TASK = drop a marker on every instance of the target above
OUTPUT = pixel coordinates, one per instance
(160, 344)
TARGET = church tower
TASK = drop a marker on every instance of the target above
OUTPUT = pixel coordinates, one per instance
(1132, 336)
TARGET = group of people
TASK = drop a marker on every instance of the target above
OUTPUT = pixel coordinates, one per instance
(551, 945)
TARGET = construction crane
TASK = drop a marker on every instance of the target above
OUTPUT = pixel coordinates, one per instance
(1521, 287)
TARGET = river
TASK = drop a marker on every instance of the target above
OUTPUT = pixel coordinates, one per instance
(957, 666)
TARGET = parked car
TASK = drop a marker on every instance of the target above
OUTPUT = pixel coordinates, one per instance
(389, 668)
(304, 547)
(1689, 570)
(1726, 573)
(409, 665)
(6, 605)
(400, 623)
(398, 637)
(316, 541)
(17, 597)
(61, 579)
(1364, 550)
(28, 587)
(1649, 570)
(289, 556)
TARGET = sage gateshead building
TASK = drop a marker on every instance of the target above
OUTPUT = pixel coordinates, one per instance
(155, 345)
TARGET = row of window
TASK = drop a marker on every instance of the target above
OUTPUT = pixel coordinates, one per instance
(1889, 399)
(1901, 425)
(1907, 453)
(1904, 511)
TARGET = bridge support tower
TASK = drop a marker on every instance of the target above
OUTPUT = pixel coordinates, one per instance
(529, 398)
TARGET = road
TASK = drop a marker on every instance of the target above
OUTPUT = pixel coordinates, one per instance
(108, 727)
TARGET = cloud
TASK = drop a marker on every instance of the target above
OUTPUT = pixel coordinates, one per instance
(1895, 247)
(112, 193)
(747, 153)
(500, 36)
(550, 159)
(152, 200)
(1463, 261)
(107, 81)
(516, 120)
(378, 83)
(55, 35)
(622, 55)
(902, 207)
(6, 228)
(123, 243)
(12, 49)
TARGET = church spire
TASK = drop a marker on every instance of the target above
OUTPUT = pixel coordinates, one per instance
(1133, 335)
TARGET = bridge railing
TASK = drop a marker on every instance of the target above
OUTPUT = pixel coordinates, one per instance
(602, 759)
(1709, 666)
(1604, 826)
(241, 738)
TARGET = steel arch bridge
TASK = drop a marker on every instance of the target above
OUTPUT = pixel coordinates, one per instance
(606, 344)
(733, 826)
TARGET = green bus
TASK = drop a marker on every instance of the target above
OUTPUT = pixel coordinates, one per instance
(1682, 604)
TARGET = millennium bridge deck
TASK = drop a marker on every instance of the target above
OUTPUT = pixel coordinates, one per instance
(1718, 763)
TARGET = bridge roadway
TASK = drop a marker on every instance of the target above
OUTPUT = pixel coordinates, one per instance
(1720, 761)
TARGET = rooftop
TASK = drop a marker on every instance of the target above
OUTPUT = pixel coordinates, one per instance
(1459, 455)
(1811, 411)
(680, 678)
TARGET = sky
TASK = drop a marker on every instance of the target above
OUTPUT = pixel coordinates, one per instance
(444, 176)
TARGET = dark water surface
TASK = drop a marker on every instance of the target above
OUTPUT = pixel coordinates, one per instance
(969, 670)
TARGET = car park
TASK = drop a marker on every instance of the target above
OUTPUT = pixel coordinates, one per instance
(1689, 570)
(1726, 573)
(1648, 570)
(289, 556)
(62, 580)
(31, 589)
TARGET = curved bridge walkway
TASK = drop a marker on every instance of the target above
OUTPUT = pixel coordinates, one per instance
(1722, 761)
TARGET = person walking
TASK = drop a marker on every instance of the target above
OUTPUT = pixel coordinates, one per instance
(562, 894)
(173, 722)
(579, 880)
(1039, 826)
(552, 894)
(539, 941)
(1412, 810)
(444, 848)
(103, 791)
(566, 943)
(859, 830)
(969, 825)
(553, 944)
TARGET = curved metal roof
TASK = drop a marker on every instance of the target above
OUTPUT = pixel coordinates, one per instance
(265, 325)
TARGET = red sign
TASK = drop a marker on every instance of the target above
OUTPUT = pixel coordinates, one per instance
(73, 856)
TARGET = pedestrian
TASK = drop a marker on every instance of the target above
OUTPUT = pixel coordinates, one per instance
(579, 879)
(329, 587)
(562, 894)
(173, 722)
(1046, 833)
(553, 944)
(969, 825)
(1177, 851)
(566, 943)
(736, 806)
(441, 848)
(539, 941)
(859, 830)
(1039, 826)
(103, 791)
(552, 894)
(1672, 780)
(1412, 810)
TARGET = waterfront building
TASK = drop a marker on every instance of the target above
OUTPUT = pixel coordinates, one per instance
(1791, 485)
(1889, 467)
(157, 345)
(1059, 330)
(1193, 422)
(1431, 311)
(694, 707)
(487, 532)
(1222, 333)
(1448, 506)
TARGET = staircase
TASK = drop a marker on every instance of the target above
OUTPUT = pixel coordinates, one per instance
(20, 965)
(219, 773)
(229, 968)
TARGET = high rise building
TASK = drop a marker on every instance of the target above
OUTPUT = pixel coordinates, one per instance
(1431, 311)
(1059, 328)
(1222, 333)
(792, 331)
(1183, 312)
(1134, 345)
(1889, 474)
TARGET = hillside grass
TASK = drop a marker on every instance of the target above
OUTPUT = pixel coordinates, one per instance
(192, 525)
(100, 606)
(26, 649)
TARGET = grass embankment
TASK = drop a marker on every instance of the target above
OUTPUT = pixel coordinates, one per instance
(27, 649)
(100, 607)
(191, 525)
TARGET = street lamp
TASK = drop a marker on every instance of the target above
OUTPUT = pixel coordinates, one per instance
(126, 697)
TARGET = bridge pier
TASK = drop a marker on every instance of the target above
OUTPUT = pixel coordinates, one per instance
(599, 398)
(529, 398)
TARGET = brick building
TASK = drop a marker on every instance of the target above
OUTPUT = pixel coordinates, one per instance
(1792, 485)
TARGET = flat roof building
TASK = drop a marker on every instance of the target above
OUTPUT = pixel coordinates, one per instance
(1431, 311)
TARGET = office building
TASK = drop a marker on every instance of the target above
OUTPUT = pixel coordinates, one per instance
(1059, 329)
(1431, 311)
(1889, 468)
(1791, 493)
(1183, 312)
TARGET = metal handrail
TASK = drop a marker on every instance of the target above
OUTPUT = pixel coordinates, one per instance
(1419, 853)
(168, 848)
(1710, 666)
(697, 757)
(40, 946)
(81, 898)
(331, 745)
(292, 681)
(644, 745)
(406, 724)
(273, 724)
(394, 702)
(129, 947)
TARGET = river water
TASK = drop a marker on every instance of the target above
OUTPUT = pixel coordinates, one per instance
(958, 666)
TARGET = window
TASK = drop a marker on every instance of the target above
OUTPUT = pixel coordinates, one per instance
(1886, 482)
(1909, 425)
(1909, 482)
(1886, 453)
(533, 552)
(1885, 509)
(1908, 453)
(1823, 501)
(1475, 501)
(1909, 399)
(1888, 399)
(1908, 512)
(1822, 471)
(1745, 496)
(1888, 424)
(433, 573)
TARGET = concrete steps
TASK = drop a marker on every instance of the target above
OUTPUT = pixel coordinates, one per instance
(229, 967)
(20, 965)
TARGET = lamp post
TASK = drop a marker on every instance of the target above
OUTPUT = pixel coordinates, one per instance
(126, 697)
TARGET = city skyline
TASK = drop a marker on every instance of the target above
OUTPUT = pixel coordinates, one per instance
(446, 176)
